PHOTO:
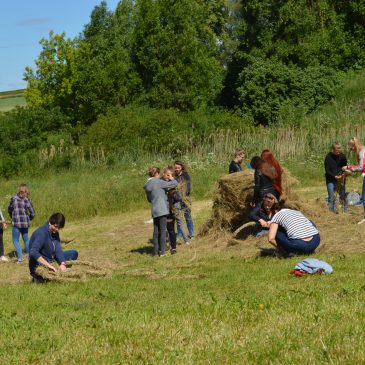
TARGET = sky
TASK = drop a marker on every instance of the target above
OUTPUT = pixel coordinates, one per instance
(23, 23)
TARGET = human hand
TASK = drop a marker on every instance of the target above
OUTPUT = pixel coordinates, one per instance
(63, 267)
(52, 268)
(340, 177)
(263, 223)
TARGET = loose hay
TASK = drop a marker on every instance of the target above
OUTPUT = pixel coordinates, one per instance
(232, 198)
(76, 271)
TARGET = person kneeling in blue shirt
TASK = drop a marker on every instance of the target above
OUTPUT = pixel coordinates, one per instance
(45, 247)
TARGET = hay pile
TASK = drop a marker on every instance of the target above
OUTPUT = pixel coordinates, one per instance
(231, 203)
(76, 271)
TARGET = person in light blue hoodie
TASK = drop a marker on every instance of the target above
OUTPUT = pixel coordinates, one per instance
(156, 189)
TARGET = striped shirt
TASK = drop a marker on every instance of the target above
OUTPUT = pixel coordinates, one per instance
(295, 224)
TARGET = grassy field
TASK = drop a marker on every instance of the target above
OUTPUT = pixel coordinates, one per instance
(11, 99)
(211, 303)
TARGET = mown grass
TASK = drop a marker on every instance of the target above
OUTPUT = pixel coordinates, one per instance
(225, 310)
(207, 304)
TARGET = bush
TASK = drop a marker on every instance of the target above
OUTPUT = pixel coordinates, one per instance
(137, 129)
(268, 87)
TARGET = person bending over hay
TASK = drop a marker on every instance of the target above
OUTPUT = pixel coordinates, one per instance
(291, 232)
(45, 248)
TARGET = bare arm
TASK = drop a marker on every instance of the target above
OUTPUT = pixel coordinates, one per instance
(45, 263)
(272, 233)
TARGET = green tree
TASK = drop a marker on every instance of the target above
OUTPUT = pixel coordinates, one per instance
(52, 83)
(278, 42)
(106, 73)
(176, 45)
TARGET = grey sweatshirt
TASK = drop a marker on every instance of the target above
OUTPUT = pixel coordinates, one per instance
(156, 194)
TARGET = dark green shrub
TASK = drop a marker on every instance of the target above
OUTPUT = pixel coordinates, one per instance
(268, 86)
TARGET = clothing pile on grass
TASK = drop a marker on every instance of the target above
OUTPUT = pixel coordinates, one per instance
(311, 266)
(76, 271)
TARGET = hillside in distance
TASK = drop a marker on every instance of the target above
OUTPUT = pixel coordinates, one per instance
(11, 99)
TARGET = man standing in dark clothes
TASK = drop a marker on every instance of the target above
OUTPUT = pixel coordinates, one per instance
(235, 165)
(335, 178)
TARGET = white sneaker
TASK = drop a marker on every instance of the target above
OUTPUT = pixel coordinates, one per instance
(187, 243)
(4, 258)
(362, 221)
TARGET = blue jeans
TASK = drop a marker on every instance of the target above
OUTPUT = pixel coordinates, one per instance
(15, 233)
(189, 223)
(363, 193)
(71, 255)
(297, 245)
(331, 188)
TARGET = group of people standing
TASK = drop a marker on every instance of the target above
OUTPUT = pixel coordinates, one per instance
(44, 246)
(336, 171)
(169, 195)
(289, 231)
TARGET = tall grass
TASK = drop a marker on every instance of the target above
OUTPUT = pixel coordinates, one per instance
(287, 142)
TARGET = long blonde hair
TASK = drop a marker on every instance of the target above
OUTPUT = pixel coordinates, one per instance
(355, 144)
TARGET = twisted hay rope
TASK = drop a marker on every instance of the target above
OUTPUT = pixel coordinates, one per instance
(76, 271)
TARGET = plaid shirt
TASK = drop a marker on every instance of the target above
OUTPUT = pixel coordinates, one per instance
(21, 211)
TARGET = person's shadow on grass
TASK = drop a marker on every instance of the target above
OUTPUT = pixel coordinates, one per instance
(146, 250)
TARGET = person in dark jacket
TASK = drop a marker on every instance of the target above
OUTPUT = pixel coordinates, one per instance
(235, 165)
(45, 247)
(335, 177)
(175, 214)
(263, 213)
(264, 178)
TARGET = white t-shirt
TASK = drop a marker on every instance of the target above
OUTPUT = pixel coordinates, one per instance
(295, 224)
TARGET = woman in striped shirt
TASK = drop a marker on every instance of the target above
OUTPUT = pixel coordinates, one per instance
(291, 232)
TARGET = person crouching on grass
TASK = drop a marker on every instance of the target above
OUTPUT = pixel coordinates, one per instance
(291, 232)
(263, 213)
(45, 247)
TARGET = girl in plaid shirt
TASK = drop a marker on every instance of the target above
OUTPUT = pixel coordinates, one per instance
(21, 212)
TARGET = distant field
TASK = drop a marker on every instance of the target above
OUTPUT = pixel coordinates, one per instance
(11, 99)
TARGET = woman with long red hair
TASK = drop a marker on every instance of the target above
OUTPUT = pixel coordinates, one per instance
(268, 157)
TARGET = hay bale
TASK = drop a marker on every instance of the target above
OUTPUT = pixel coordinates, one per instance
(232, 198)
(76, 271)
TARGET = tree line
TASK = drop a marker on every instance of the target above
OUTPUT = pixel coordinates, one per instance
(156, 75)
(258, 57)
